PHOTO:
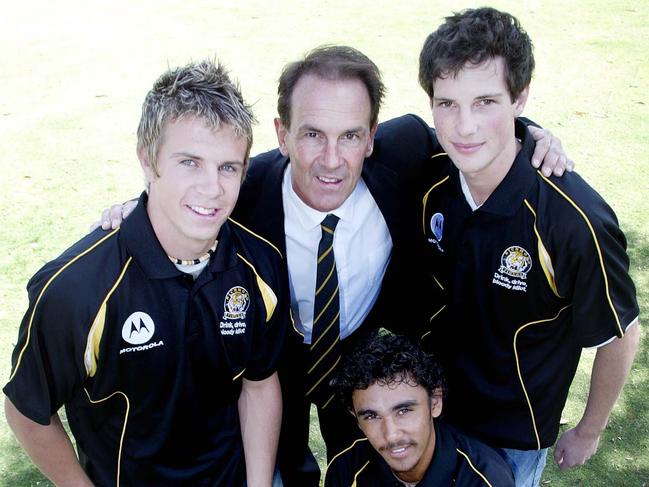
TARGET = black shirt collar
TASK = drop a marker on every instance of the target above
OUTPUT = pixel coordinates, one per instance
(442, 467)
(142, 243)
(512, 190)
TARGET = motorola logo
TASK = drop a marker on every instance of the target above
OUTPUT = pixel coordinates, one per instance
(138, 328)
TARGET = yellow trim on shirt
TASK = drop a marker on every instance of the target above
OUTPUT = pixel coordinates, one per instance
(267, 294)
(91, 354)
(40, 295)
(256, 235)
(466, 457)
(599, 252)
(520, 375)
(544, 255)
(425, 199)
(121, 437)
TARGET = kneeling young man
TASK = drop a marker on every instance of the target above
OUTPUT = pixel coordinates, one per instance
(531, 268)
(395, 391)
(161, 338)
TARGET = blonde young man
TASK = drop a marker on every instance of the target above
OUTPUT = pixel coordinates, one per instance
(161, 338)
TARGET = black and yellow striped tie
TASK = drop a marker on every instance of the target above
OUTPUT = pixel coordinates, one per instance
(324, 353)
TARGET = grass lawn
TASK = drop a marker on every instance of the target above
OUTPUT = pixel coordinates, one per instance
(74, 75)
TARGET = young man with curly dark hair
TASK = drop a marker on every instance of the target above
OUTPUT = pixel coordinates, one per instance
(395, 391)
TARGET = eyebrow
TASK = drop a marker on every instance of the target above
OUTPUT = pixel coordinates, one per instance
(311, 128)
(189, 155)
(479, 97)
(396, 407)
(363, 412)
(492, 95)
(405, 404)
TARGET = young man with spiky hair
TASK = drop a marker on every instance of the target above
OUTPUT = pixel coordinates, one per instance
(161, 338)
(531, 268)
(395, 391)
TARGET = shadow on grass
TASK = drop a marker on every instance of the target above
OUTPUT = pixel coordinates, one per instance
(623, 454)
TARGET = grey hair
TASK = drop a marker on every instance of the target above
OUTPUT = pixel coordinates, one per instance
(203, 89)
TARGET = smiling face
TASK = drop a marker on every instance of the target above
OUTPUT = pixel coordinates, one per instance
(474, 119)
(328, 139)
(198, 181)
(398, 422)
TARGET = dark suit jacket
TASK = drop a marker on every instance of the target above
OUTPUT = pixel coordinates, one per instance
(402, 150)
(393, 174)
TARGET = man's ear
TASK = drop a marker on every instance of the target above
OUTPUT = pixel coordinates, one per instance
(370, 142)
(521, 100)
(149, 173)
(282, 133)
(436, 402)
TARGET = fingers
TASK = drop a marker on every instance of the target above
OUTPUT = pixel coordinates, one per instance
(560, 166)
(111, 218)
(558, 158)
(558, 454)
(549, 154)
(128, 207)
(116, 216)
(570, 165)
(543, 138)
(105, 219)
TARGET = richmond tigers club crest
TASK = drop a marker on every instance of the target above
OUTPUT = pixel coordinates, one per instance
(236, 303)
(515, 262)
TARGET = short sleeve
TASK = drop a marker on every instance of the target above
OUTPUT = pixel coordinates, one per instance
(272, 320)
(47, 362)
(593, 274)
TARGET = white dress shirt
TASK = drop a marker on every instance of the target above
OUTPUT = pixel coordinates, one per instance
(362, 247)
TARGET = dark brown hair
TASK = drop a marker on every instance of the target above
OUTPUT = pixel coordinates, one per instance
(473, 36)
(331, 63)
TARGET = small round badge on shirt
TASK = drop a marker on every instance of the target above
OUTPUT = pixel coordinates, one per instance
(516, 262)
(236, 303)
(138, 328)
(437, 227)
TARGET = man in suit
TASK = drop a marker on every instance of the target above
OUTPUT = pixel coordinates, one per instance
(335, 200)
(333, 159)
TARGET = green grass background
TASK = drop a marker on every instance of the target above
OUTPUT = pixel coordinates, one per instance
(73, 75)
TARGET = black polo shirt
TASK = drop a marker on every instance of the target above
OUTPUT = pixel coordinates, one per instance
(458, 460)
(147, 361)
(537, 272)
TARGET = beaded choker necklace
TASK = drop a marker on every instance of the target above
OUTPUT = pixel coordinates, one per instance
(202, 258)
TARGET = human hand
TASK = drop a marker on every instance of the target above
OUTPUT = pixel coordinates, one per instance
(550, 153)
(575, 447)
(113, 216)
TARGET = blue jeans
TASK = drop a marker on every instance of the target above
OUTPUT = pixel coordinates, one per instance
(277, 479)
(527, 465)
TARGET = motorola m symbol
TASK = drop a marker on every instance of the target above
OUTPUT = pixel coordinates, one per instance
(138, 328)
(134, 328)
